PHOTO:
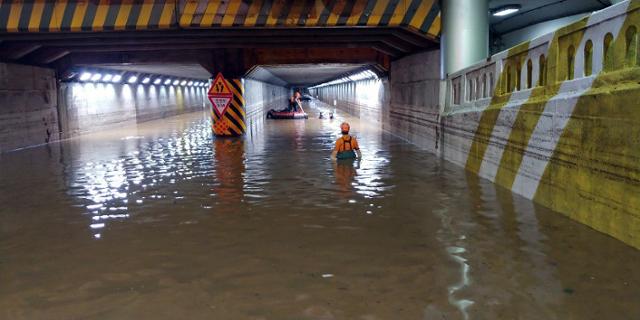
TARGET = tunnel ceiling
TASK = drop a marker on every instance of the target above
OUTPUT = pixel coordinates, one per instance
(537, 11)
(302, 74)
(88, 32)
(194, 71)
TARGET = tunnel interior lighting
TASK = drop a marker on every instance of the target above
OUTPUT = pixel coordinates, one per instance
(133, 79)
(506, 10)
(190, 83)
(176, 82)
(96, 77)
(363, 75)
(167, 81)
(184, 82)
(107, 77)
(116, 78)
(85, 76)
(157, 81)
(146, 80)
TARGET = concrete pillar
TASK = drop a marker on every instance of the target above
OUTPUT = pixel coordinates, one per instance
(227, 106)
(465, 34)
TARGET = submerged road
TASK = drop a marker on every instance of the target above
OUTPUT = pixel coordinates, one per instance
(161, 221)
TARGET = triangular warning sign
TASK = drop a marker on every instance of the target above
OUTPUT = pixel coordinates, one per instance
(220, 95)
(220, 104)
(219, 86)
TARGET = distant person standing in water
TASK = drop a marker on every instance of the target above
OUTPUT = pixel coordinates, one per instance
(346, 146)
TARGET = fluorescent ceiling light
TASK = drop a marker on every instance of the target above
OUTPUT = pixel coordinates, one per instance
(184, 82)
(146, 80)
(157, 81)
(167, 81)
(107, 77)
(85, 76)
(190, 83)
(116, 78)
(96, 77)
(506, 10)
(176, 82)
(133, 79)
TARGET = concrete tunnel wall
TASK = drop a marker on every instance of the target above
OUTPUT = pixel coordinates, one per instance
(28, 100)
(260, 97)
(35, 110)
(554, 119)
(405, 104)
(88, 107)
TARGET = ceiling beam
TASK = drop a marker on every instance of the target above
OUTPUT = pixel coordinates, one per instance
(224, 33)
(212, 40)
(15, 51)
(45, 56)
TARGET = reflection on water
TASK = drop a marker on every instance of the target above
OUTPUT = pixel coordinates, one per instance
(162, 221)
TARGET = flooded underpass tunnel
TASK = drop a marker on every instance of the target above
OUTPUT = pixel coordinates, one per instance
(190, 160)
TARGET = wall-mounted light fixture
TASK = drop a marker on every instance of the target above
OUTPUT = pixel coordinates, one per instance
(505, 10)
(113, 76)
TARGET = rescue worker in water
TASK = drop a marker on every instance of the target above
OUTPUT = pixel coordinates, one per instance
(346, 146)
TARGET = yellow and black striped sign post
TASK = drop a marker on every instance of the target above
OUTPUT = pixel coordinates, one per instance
(227, 114)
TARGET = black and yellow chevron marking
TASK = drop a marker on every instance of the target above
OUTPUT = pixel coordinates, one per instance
(233, 118)
(99, 15)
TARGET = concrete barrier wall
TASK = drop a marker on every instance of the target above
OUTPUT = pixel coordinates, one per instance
(89, 107)
(562, 125)
(28, 113)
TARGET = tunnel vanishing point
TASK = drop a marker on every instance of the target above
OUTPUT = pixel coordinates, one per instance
(541, 99)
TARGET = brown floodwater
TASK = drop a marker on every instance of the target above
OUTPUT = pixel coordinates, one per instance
(161, 221)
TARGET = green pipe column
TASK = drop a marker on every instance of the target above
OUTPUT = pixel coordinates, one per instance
(465, 34)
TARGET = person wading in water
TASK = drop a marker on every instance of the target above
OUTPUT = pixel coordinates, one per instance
(346, 146)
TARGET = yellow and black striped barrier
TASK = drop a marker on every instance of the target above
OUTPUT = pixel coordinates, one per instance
(100, 15)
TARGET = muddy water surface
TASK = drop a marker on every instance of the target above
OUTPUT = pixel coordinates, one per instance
(160, 221)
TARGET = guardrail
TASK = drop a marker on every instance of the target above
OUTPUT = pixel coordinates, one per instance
(575, 52)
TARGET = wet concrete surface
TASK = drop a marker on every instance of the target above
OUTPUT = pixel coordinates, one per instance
(161, 221)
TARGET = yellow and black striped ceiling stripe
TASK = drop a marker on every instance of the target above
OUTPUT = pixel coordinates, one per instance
(364, 17)
(388, 12)
(99, 15)
(283, 12)
(5, 10)
(242, 13)
(25, 16)
(264, 12)
(428, 20)
(347, 11)
(324, 15)
(411, 11)
(306, 12)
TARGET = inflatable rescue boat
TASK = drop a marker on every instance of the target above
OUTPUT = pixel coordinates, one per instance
(274, 114)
